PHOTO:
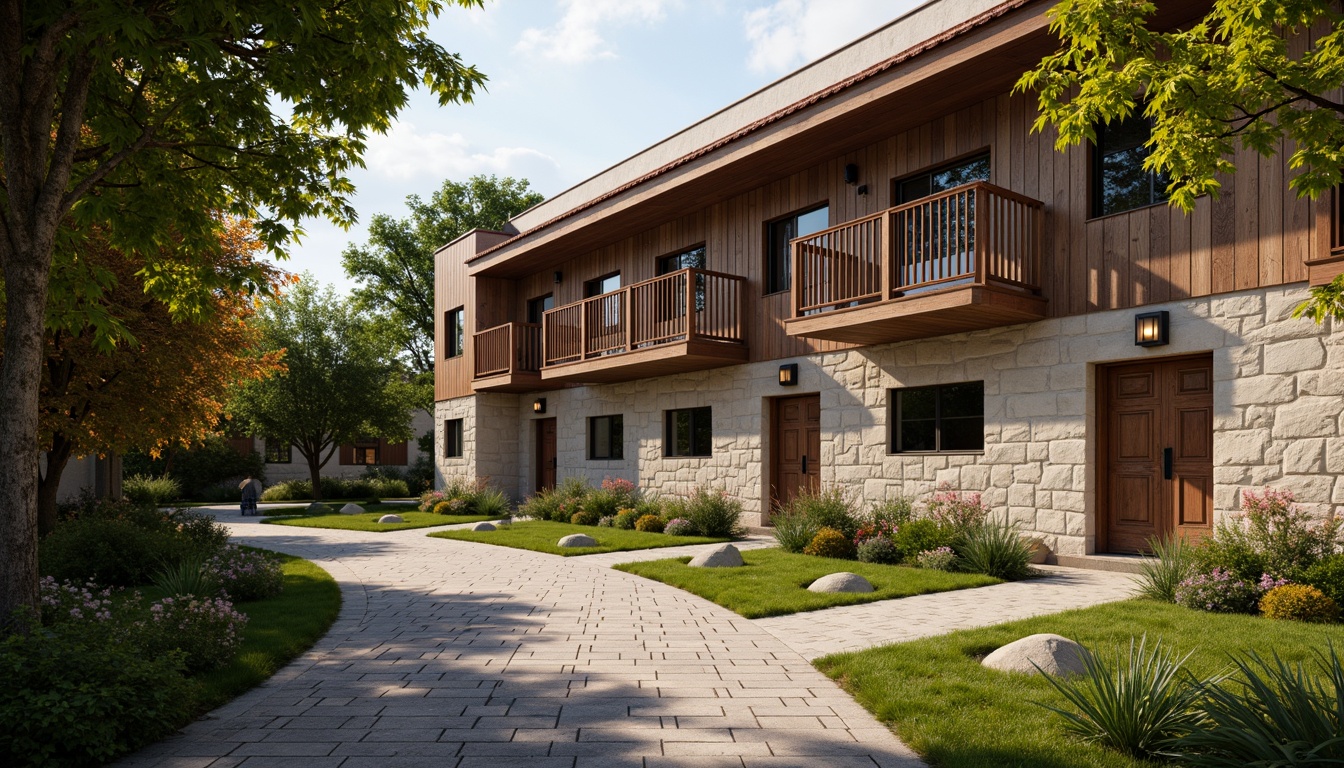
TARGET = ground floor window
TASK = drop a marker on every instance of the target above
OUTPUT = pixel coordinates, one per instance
(452, 438)
(367, 451)
(688, 432)
(947, 417)
(279, 451)
(606, 437)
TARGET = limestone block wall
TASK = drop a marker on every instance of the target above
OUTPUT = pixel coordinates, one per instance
(491, 437)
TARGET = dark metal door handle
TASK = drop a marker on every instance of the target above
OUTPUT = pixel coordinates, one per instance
(1166, 463)
(804, 463)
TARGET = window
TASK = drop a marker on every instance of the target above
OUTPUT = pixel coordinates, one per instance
(950, 417)
(454, 330)
(692, 259)
(367, 450)
(538, 306)
(1119, 181)
(942, 179)
(688, 432)
(606, 437)
(452, 438)
(279, 451)
(778, 256)
(600, 285)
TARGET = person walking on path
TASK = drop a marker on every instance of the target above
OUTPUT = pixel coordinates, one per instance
(251, 488)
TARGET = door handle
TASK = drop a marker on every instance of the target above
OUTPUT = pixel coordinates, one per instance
(1166, 463)
(804, 463)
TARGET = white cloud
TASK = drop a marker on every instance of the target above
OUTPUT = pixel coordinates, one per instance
(789, 33)
(578, 35)
(406, 153)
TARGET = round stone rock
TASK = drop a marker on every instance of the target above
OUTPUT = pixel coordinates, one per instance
(391, 519)
(724, 556)
(577, 540)
(1054, 654)
(483, 526)
(349, 509)
(841, 582)
(317, 507)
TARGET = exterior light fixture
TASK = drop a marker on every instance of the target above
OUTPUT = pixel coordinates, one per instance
(1152, 329)
(559, 276)
(788, 375)
(852, 173)
(539, 405)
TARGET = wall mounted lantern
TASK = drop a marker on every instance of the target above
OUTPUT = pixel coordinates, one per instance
(788, 375)
(539, 405)
(559, 276)
(1152, 329)
(852, 178)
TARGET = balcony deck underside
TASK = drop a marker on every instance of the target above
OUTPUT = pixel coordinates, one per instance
(515, 381)
(659, 360)
(926, 315)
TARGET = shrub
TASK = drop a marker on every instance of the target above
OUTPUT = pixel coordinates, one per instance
(830, 542)
(246, 574)
(1139, 706)
(145, 489)
(199, 534)
(430, 499)
(878, 549)
(115, 552)
(996, 550)
(625, 519)
(892, 513)
(713, 513)
(1160, 575)
(1219, 591)
(940, 559)
(649, 524)
(206, 631)
(539, 506)
(1299, 602)
(206, 465)
(189, 578)
(680, 526)
(959, 512)
(793, 529)
(831, 508)
(450, 507)
(881, 528)
(67, 601)
(492, 502)
(1327, 575)
(585, 517)
(1270, 535)
(607, 522)
(603, 502)
(289, 490)
(919, 536)
(573, 488)
(626, 493)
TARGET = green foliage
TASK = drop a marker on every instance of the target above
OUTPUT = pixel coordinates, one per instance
(996, 550)
(189, 576)
(542, 535)
(626, 518)
(793, 529)
(338, 488)
(920, 536)
(1271, 535)
(1140, 705)
(603, 502)
(246, 574)
(395, 270)
(879, 549)
(1225, 80)
(892, 512)
(829, 508)
(124, 545)
(649, 524)
(151, 490)
(204, 469)
(830, 543)
(1324, 301)
(1160, 575)
(1299, 602)
(712, 513)
(585, 517)
(491, 502)
(1327, 575)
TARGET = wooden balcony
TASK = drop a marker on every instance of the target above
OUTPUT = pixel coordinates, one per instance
(688, 320)
(961, 260)
(507, 358)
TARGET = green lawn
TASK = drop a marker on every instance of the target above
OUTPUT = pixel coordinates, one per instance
(369, 520)
(958, 714)
(278, 629)
(774, 582)
(338, 502)
(541, 536)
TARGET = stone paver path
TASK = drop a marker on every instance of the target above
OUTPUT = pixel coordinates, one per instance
(452, 654)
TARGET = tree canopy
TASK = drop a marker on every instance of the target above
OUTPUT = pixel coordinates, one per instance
(341, 382)
(395, 269)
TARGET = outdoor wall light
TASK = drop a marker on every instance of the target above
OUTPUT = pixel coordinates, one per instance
(788, 375)
(559, 276)
(1151, 329)
(852, 173)
(539, 405)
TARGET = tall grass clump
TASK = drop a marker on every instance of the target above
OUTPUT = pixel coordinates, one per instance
(189, 577)
(144, 489)
(1170, 565)
(996, 549)
(712, 513)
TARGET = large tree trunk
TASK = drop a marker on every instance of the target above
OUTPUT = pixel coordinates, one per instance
(49, 484)
(315, 474)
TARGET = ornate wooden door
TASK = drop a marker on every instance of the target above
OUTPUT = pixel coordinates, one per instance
(796, 447)
(545, 454)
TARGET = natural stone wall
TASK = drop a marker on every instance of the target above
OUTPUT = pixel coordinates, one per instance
(490, 433)
(1278, 401)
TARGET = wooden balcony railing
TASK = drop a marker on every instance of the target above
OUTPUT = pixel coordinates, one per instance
(645, 315)
(507, 348)
(975, 233)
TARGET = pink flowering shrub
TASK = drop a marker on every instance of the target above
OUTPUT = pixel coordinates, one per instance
(883, 528)
(1271, 534)
(207, 631)
(938, 559)
(1220, 591)
(431, 499)
(958, 512)
(246, 574)
(66, 601)
(680, 526)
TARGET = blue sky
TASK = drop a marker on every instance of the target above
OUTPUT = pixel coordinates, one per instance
(576, 86)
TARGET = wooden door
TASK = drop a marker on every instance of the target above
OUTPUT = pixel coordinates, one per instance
(1157, 451)
(545, 454)
(796, 446)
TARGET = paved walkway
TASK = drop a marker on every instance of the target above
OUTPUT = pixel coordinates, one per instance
(456, 655)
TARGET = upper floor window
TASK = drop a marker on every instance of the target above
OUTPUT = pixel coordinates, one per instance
(606, 437)
(600, 285)
(691, 259)
(948, 417)
(1119, 181)
(279, 451)
(452, 438)
(538, 306)
(688, 432)
(778, 256)
(367, 450)
(454, 331)
(942, 178)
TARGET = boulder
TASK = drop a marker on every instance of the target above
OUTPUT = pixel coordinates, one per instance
(1054, 654)
(483, 526)
(391, 519)
(577, 540)
(317, 508)
(841, 582)
(351, 509)
(1039, 550)
(722, 556)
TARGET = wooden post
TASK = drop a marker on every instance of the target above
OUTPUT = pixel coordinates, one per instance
(980, 202)
(690, 304)
(886, 260)
(628, 317)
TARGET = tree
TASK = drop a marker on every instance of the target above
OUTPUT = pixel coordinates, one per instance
(341, 381)
(395, 270)
(151, 118)
(166, 383)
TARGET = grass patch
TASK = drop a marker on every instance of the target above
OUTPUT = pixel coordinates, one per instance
(337, 502)
(958, 714)
(369, 520)
(774, 582)
(278, 629)
(541, 536)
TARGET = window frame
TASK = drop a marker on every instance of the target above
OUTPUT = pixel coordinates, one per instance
(288, 451)
(539, 302)
(615, 426)
(453, 439)
(454, 333)
(670, 435)
(894, 421)
(1157, 194)
(660, 262)
(367, 444)
(589, 285)
(933, 170)
(768, 275)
